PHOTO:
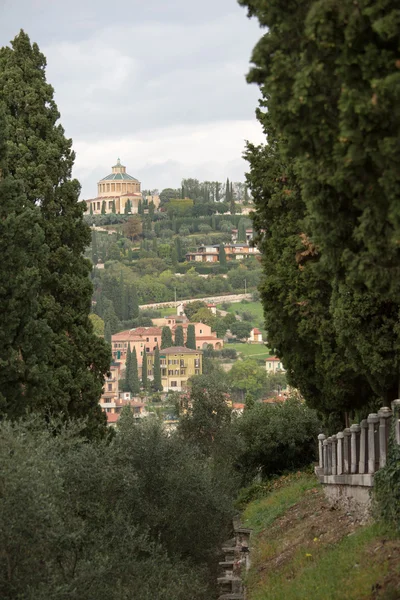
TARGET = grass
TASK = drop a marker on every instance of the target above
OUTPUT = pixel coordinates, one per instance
(302, 549)
(257, 351)
(261, 513)
(255, 308)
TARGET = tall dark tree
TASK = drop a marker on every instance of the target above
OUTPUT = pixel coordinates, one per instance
(191, 337)
(133, 380)
(133, 303)
(222, 255)
(144, 370)
(140, 208)
(107, 332)
(242, 231)
(128, 367)
(39, 154)
(227, 191)
(157, 385)
(23, 336)
(103, 207)
(166, 338)
(343, 144)
(95, 257)
(179, 339)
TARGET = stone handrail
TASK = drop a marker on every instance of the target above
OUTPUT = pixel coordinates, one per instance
(353, 455)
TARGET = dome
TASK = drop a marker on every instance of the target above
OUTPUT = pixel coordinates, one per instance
(119, 174)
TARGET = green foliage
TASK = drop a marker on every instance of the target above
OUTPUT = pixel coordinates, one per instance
(145, 381)
(241, 329)
(142, 516)
(157, 384)
(166, 338)
(331, 116)
(179, 339)
(277, 438)
(73, 360)
(206, 417)
(103, 207)
(131, 372)
(222, 255)
(191, 337)
(387, 484)
(192, 307)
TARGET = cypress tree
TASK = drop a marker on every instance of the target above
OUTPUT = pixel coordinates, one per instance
(128, 368)
(217, 191)
(227, 191)
(232, 201)
(133, 381)
(157, 385)
(222, 255)
(107, 332)
(95, 258)
(91, 209)
(133, 303)
(166, 338)
(144, 370)
(113, 206)
(24, 337)
(191, 337)
(241, 231)
(103, 207)
(40, 155)
(140, 208)
(344, 145)
(179, 340)
(152, 208)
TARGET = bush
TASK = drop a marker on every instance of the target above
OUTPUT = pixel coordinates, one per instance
(387, 487)
(229, 353)
(277, 438)
(130, 518)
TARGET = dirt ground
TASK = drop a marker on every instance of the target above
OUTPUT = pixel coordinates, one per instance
(313, 522)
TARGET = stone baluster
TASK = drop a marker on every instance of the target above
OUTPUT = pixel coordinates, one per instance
(329, 455)
(396, 417)
(355, 447)
(384, 415)
(363, 463)
(321, 438)
(346, 450)
(334, 455)
(325, 450)
(339, 437)
(373, 419)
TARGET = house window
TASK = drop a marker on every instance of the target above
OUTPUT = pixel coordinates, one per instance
(147, 339)
(197, 371)
(174, 384)
(147, 349)
(270, 365)
(201, 331)
(176, 372)
(170, 372)
(110, 387)
(155, 339)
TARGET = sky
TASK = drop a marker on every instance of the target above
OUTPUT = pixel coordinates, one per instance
(159, 83)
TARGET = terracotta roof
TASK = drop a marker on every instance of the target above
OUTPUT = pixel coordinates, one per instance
(130, 334)
(179, 350)
(238, 405)
(274, 399)
(112, 418)
(255, 330)
(273, 358)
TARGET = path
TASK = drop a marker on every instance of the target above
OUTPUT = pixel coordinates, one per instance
(209, 300)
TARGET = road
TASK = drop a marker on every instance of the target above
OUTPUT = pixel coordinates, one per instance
(208, 300)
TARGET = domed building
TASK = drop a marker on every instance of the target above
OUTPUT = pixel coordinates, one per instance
(118, 191)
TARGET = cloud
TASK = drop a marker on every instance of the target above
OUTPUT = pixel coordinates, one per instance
(161, 84)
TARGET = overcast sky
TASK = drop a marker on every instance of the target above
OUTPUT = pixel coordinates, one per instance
(158, 83)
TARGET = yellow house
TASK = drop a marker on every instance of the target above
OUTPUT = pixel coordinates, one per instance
(177, 364)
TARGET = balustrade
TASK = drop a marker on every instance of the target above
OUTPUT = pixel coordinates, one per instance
(360, 449)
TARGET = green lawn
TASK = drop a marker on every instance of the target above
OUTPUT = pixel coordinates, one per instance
(255, 308)
(251, 350)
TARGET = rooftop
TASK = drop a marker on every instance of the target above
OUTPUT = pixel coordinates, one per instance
(178, 350)
(119, 174)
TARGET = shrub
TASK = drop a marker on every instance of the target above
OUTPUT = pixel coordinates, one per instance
(387, 487)
(277, 438)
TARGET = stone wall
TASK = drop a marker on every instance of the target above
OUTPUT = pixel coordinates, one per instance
(349, 459)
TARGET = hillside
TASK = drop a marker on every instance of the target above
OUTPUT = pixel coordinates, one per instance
(305, 549)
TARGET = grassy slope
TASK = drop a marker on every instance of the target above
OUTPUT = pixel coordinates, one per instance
(251, 350)
(305, 550)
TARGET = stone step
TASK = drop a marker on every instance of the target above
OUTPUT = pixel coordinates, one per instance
(226, 563)
(231, 597)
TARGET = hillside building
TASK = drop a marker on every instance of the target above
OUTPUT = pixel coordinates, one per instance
(177, 365)
(117, 190)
